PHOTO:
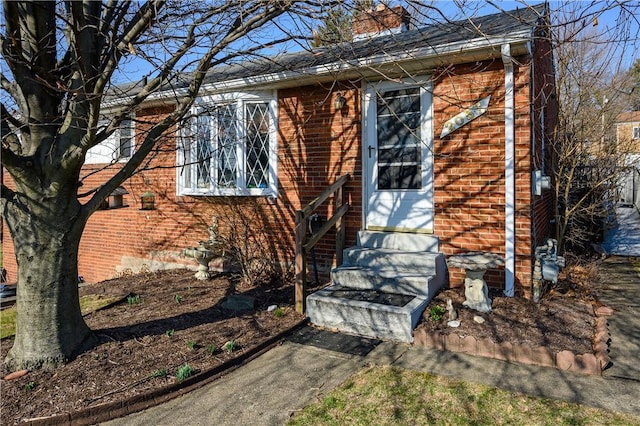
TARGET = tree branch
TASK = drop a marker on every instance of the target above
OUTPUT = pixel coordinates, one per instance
(237, 30)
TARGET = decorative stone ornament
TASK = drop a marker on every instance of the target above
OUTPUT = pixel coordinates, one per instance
(476, 292)
(206, 251)
(476, 264)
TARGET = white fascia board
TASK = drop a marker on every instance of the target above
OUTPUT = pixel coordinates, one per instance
(155, 100)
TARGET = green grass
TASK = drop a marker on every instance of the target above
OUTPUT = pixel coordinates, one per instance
(392, 396)
(635, 261)
(87, 304)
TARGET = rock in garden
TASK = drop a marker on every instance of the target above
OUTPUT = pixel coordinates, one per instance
(604, 311)
(478, 319)
(239, 302)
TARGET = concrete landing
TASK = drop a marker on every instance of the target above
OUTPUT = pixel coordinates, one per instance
(365, 318)
(389, 266)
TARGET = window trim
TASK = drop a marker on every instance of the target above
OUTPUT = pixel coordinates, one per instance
(635, 132)
(186, 173)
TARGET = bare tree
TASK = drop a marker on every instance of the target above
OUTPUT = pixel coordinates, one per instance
(594, 85)
(61, 60)
(634, 89)
(595, 82)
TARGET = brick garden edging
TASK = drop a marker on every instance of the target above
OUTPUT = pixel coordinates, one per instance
(588, 363)
(112, 410)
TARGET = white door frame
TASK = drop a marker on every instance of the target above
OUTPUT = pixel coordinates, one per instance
(404, 210)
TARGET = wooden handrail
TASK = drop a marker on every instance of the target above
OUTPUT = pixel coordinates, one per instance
(304, 244)
(315, 203)
(325, 227)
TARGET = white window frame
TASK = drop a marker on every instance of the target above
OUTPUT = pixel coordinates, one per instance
(109, 150)
(186, 176)
(118, 139)
(635, 132)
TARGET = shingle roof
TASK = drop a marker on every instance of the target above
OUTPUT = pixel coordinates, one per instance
(518, 21)
(429, 40)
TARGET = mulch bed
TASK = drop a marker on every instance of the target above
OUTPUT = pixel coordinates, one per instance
(179, 318)
(178, 321)
(558, 322)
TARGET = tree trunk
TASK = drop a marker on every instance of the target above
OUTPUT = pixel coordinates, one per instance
(50, 329)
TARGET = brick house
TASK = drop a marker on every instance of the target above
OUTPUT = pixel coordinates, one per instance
(269, 136)
(628, 135)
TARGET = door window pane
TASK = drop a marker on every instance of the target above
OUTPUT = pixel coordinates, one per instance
(398, 134)
(398, 177)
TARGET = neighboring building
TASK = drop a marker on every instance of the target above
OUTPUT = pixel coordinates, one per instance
(628, 138)
(271, 135)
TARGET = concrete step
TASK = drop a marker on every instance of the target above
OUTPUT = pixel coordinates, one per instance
(425, 281)
(389, 258)
(327, 308)
(398, 241)
(383, 286)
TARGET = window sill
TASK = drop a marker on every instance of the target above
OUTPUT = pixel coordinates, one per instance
(230, 193)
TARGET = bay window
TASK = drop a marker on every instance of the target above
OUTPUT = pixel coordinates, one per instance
(228, 146)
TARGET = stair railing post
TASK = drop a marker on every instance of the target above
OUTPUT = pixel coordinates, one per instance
(301, 263)
(340, 228)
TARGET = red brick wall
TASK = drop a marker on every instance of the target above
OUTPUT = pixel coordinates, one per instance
(545, 113)
(317, 144)
(152, 234)
(470, 166)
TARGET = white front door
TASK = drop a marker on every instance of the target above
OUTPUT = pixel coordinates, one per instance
(398, 155)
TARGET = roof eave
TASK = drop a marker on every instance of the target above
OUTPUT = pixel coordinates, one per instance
(372, 66)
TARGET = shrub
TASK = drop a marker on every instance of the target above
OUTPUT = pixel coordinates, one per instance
(436, 313)
(184, 372)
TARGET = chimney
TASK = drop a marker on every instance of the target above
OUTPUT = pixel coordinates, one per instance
(383, 20)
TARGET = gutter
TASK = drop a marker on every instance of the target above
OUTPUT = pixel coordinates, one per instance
(426, 57)
(509, 163)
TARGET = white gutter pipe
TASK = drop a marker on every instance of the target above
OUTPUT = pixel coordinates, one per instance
(509, 173)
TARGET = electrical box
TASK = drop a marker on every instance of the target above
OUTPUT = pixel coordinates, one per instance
(539, 182)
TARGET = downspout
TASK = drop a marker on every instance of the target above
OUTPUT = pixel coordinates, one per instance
(509, 172)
